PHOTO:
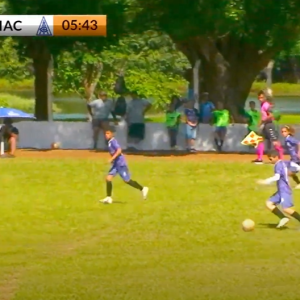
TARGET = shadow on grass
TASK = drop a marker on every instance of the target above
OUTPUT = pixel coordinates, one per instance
(270, 226)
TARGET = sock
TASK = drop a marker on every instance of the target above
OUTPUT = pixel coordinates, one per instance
(279, 149)
(221, 143)
(296, 216)
(134, 184)
(217, 142)
(278, 213)
(260, 150)
(108, 188)
(296, 179)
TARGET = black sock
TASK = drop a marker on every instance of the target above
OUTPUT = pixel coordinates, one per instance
(217, 142)
(295, 178)
(221, 143)
(296, 216)
(108, 188)
(134, 184)
(278, 213)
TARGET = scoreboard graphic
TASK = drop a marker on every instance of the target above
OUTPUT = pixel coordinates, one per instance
(58, 25)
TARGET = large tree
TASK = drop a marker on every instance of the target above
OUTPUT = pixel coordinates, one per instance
(234, 39)
(43, 49)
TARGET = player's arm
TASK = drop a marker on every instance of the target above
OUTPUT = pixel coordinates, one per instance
(117, 153)
(270, 180)
(89, 107)
(274, 178)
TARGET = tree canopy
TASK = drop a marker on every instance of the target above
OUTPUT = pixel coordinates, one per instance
(234, 39)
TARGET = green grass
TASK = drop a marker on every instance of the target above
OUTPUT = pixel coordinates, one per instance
(186, 242)
(24, 104)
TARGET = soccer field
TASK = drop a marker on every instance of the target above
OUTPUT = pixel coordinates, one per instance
(185, 242)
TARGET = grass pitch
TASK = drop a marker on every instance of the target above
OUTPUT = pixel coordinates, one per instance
(58, 243)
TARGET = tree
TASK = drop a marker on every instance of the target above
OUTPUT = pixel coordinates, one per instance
(234, 39)
(43, 49)
(152, 65)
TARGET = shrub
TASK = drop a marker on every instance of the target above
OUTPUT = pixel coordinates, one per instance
(24, 104)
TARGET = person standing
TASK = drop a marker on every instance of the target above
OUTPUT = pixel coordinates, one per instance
(172, 123)
(191, 116)
(135, 118)
(206, 109)
(100, 109)
(10, 135)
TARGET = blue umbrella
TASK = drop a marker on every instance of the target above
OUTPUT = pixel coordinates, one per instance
(14, 114)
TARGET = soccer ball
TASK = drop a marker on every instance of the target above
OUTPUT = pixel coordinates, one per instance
(248, 225)
(55, 146)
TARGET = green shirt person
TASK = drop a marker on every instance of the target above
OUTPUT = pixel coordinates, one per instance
(221, 120)
(253, 117)
(172, 123)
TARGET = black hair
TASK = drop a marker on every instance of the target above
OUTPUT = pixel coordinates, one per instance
(111, 129)
(252, 102)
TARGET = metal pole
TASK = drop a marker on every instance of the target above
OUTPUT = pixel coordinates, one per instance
(196, 82)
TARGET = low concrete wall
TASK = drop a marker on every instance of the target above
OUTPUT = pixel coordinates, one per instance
(78, 135)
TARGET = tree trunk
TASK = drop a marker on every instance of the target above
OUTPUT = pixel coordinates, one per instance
(229, 67)
(269, 72)
(43, 73)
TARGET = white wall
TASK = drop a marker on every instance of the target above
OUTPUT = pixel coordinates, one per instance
(78, 135)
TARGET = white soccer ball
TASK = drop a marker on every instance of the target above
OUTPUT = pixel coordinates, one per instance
(248, 225)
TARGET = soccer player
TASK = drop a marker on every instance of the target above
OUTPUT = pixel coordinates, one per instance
(293, 147)
(268, 128)
(221, 120)
(119, 166)
(283, 195)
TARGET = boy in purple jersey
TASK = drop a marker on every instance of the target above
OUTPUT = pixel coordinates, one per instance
(119, 166)
(293, 147)
(283, 196)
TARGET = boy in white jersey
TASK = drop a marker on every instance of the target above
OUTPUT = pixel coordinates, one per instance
(283, 195)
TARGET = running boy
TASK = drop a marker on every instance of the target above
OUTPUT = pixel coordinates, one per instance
(119, 166)
(172, 124)
(293, 147)
(283, 196)
(191, 120)
(221, 120)
(268, 128)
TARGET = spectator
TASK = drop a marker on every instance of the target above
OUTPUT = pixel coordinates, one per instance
(206, 109)
(100, 109)
(10, 135)
(136, 110)
(192, 121)
(172, 123)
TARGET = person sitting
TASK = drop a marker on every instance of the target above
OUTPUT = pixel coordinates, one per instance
(10, 135)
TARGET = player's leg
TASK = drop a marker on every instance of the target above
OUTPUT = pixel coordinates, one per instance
(271, 205)
(125, 175)
(274, 138)
(261, 148)
(188, 136)
(193, 139)
(217, 138)
(109, 187)
(222, 135)
(293, 170)
(287, 206)
(96, 130)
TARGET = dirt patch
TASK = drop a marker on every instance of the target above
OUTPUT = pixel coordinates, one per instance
(88, 154)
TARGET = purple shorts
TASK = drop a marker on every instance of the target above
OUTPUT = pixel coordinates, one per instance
(121, 170)
(285, 200)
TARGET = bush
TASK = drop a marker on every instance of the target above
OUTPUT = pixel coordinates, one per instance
(6, 85)
(24, 104)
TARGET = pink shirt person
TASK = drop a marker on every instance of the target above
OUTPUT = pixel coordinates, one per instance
(264, 109)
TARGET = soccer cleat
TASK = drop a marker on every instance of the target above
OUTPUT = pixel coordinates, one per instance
(107, 200)
(282, 223)
(297, 187)
(257, 161)
(145, 191)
